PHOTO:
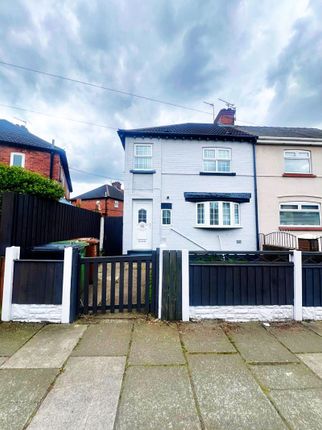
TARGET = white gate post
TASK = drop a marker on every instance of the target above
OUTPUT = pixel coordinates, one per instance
(67, 283)
(185, 285)
(102, 221)
(12, 254)
(297, 309)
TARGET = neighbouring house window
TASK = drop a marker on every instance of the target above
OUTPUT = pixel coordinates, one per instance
(297, 161)
(166, 216)
(17, 159)
(300, 213)
(142, 157)
(142, 215)
(216, 159)
(218, 214)
(116, 203)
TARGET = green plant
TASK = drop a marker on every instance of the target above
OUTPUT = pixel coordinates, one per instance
(17, 179)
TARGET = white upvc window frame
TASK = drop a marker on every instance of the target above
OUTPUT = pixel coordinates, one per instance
(116, 203)
(298, 156)
(209, 223)
(137, 157)
(299, 210)
(22, 155)
(165, 224)
(216, 159)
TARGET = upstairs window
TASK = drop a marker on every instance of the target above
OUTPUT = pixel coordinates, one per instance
(216, 160)
(218, 214)
(300, 213)
(17, 159)
(142, 157)
(297, 161)
(116, 203)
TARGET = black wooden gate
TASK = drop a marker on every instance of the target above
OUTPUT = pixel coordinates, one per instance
(121, 283)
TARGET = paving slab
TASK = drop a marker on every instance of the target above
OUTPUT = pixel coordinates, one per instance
(256, 345)
(313, 361)
(315, 326)
(286, 376)
(297, 337)
(21, 390)
(155, 343)
(205, 337)
(228, 395)
(14, 335)
(49, 348)
(157, 398)
(302, 409)
(108, 338)
(85, 396)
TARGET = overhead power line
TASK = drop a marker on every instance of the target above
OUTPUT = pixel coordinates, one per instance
(58, 117)
(101, 87)
(94, 174)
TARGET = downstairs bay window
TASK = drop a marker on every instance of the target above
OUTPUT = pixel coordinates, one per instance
(217, 214)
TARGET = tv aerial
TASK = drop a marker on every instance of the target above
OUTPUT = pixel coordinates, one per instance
(228, 104)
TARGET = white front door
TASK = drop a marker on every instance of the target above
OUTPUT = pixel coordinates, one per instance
(142, 224)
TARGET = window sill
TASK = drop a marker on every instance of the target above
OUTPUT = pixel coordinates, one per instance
(298, 175)
(218, 227)
(142, 172)
(299, 228)
(217, 173)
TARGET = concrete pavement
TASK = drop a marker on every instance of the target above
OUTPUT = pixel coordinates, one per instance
(137, 373)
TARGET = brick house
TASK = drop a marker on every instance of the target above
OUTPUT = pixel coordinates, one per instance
(19, 147)
(106, 199)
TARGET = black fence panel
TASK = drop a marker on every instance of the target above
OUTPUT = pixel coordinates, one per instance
(27, 221)
(249, 278)
(312, 278)
(113, 233)
(38, 282)
(118, 283)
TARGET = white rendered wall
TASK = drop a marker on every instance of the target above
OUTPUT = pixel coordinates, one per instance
(177, 164)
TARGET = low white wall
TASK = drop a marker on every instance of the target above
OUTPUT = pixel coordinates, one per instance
(312, 313)
(242, 313)
(36, 313)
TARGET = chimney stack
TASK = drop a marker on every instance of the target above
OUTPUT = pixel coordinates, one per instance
(117, 185)
(225, 117)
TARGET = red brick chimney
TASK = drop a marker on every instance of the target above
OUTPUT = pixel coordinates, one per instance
(225, 117)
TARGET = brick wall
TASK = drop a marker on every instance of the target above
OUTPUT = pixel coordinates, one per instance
(106, 206)
(35, 161)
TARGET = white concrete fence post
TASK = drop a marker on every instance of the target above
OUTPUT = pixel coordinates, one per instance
(67, 283)
(160, 283)
(185, 285)
(297, 309)
(12, 254)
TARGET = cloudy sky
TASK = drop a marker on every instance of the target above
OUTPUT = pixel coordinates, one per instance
(263, 56)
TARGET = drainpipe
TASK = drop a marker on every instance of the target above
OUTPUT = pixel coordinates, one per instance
(52, 154)
(255, 192)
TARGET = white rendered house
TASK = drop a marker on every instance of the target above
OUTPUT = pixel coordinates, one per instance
(189, 186)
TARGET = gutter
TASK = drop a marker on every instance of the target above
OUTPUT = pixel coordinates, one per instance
(255, 193)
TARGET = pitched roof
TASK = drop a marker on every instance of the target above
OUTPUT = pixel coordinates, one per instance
(299, 132)
(20, 136)
(104, 191)
(190, 130)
